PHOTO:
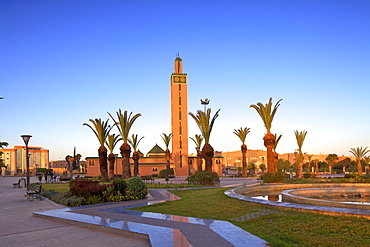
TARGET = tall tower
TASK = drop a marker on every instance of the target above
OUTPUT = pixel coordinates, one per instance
(179, 119)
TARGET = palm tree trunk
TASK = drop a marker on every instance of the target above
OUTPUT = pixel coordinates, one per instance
(269, 141)
(135, 157)
(317, 168)
(103, 161)
(125, 152)
(167, 153)
(276, 157)
(244, 160)
(207, 152)
(199, 160)
(111, 159)
(300, 166)
(359, 167)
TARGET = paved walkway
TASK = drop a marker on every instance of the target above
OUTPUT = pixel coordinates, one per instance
(110, 224)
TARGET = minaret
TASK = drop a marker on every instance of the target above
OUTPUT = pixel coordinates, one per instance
(179, 119)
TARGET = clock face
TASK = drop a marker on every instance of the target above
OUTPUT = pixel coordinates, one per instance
(183, 79)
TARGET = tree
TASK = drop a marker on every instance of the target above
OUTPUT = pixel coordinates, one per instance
(267, 114)
(69, 167)
(124, 125)
(367, 162)
(111, 142)
(331, 158)
(101, 130)
(2, 145)
(309, 162)
(205, 124)
(167, 140)
(300, 136)
(359, 154)
(283, 165)
(276, 156)
(198, 143)
(134, 141)
(242, 134)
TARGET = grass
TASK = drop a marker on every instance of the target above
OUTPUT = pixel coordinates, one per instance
(58, 187)
(288, 228)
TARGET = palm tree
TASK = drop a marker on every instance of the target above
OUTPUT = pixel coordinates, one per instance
(167, 139)
(101, 130)
(124, 125)
(300, 136)
(111, 142)
(309, 162)
(69, 159)
(367, 161)
(3, 144)
(205, 124)
(359, 153)
(134, 141)
(242, 134)
(276, 142)
(267, 114)
(198, 143)
(331, 158)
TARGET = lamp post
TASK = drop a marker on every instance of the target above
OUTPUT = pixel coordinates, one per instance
(26, 139)
(205, 102)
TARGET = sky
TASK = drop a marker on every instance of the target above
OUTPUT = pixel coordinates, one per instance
(65, 62)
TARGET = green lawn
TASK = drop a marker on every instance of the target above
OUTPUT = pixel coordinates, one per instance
(288, 228)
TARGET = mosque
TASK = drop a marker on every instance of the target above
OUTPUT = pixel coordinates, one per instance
(154, 161)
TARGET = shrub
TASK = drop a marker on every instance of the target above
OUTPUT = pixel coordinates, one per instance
(204, 178)
(277, 177)
(165, 172)
(120, 185)
(136, 189)
(86, 188)
(307, 175)
(65, 198)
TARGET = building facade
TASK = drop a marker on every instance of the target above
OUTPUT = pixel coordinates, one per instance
(15, 160)
(179, 119)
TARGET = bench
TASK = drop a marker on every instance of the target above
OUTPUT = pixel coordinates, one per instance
(148, 178)
(34, 194)
(17, 185)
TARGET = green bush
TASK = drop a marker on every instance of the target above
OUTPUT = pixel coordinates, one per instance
(136, 189)
(120, 185)
(204, 178)
(65, 198)
(307, 175)
(277, 177)
(166, 172)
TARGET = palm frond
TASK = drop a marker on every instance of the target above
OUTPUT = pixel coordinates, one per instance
(204, 122)
(124, 123)
(242, 133)
(100, 128)
(300, 136)
(359, 152)
(277, 139)
(134, 141)
(112, 141)
(198, 140)
(265, 112)
(166, 139)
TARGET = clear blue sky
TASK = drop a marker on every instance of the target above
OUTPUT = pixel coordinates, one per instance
(64, 62)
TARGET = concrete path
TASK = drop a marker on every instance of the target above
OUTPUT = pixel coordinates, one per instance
(20, 228)
(110, 223)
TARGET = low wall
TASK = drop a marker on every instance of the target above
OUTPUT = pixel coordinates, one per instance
(300, 196)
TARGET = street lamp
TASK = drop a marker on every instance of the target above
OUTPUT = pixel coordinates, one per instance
(205, 102)
(26, 139)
